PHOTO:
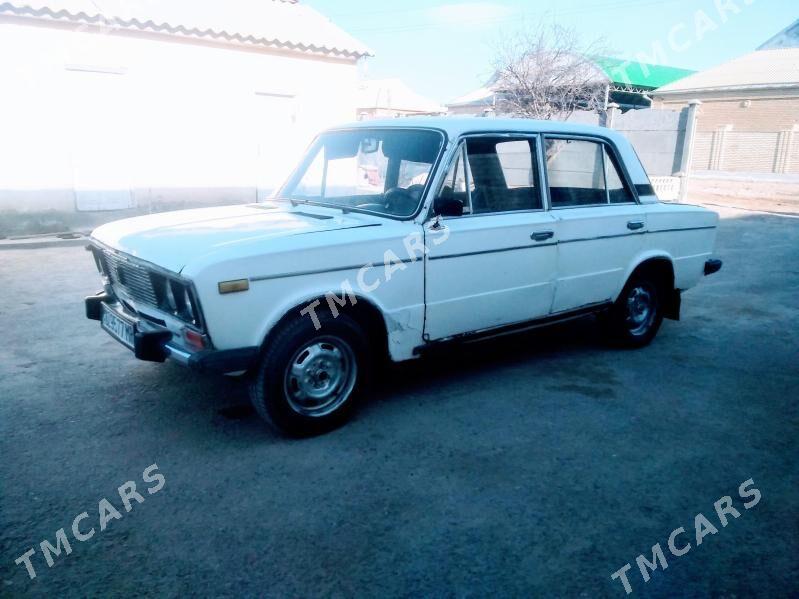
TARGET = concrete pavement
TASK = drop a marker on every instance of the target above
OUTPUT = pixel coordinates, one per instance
(528, 466)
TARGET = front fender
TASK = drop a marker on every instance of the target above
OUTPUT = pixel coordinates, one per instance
(307, 298)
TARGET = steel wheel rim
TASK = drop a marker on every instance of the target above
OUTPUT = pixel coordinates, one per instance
(640, 310)
(320, 376)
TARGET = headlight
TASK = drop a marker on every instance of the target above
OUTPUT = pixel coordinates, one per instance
(100, 263)
(191, 313)
(170, 305)
(175, 298)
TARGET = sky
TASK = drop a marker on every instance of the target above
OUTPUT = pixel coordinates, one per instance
(444, 49)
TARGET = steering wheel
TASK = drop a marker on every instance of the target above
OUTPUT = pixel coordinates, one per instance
(401, 201)
(416, 190)
(397, 200)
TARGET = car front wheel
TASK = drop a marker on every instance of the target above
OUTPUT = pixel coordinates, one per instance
(308, 379)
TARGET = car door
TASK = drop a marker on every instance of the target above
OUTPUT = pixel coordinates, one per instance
(495, 264)
(600, 223)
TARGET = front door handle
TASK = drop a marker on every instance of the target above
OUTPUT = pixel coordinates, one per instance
(542, 235)
(634, 225)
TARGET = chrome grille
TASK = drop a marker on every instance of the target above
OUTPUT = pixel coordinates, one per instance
(133, 280)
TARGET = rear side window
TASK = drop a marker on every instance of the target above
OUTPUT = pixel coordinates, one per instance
(617, 190)
(583, 173)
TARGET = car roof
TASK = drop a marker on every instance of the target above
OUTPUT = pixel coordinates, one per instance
(457, 126)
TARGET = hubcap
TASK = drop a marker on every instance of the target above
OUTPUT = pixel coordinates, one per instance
(640, 310)
(320, 376)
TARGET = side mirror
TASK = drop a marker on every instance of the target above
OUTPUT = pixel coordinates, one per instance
(447, 206)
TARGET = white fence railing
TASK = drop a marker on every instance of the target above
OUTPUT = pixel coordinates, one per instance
(666, 188)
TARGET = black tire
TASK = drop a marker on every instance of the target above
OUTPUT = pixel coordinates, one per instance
(635, 318)
(279, 392)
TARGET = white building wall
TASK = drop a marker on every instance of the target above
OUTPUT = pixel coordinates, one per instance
(99, 121)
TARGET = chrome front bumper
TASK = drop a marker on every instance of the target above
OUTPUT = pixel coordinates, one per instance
(153, 343)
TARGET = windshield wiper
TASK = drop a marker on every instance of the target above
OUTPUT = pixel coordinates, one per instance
(297, 202)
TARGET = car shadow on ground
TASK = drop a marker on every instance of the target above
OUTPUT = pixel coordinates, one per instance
(439, 367)
(223, 402)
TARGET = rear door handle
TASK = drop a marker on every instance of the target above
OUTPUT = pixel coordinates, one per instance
(634, 225)
(542, 235)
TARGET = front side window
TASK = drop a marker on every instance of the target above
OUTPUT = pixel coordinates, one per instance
(457, 184)
(494, 174)
(583, 173)
(378, 170)
(504, 174)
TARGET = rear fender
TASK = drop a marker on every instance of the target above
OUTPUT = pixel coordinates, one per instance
(672, 299)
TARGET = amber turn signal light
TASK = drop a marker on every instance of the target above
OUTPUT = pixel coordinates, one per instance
(234, 286)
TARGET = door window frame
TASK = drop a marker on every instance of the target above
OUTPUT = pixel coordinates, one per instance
(459, 156)
(610, 150)
(462, 152)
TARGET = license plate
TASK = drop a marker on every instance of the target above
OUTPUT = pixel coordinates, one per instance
(119, 329)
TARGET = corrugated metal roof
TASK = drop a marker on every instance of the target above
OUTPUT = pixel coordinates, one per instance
(762, 69)
(393, 94)
(639, 74)
(283, 24)
(621, 73)
(480, 97)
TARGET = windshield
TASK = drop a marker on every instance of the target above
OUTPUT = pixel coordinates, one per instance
(380, 170)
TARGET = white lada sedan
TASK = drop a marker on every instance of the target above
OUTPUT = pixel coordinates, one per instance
(394, 237)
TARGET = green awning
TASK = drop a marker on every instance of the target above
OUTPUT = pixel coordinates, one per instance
(639, 74)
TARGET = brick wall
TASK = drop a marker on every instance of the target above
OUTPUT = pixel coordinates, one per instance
(793, 160)
(772, 114)
(740, 134)
(746, 151)
(745, 114)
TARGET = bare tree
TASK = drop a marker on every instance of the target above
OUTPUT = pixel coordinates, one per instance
(544, 72)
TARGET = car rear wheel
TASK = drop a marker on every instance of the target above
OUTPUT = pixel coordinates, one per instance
(309, 379)
(637, 314)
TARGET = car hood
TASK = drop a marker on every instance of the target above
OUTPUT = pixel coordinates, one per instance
(173, 239)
